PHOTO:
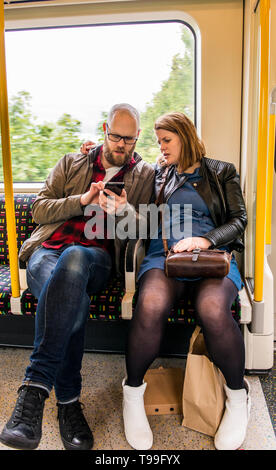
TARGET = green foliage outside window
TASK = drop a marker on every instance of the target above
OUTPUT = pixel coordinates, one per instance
(36, 147)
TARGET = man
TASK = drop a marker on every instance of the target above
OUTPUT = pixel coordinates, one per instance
(65, 267)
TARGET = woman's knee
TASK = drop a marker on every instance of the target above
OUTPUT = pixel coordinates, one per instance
(151, 309)
(212, 313)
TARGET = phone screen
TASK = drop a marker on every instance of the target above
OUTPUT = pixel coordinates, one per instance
(114, 186)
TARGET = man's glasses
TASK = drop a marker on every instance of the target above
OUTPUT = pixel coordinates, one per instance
(117, 138)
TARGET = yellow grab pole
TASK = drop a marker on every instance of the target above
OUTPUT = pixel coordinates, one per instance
(6, 155)
(270, 169)
(262, 153)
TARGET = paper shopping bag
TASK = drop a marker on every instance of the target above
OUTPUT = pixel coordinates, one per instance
(203, 393)
(163, 394)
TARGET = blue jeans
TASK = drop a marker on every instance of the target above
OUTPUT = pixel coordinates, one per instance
(62, 280)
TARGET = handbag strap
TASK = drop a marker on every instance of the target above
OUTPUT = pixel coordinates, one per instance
(165, 243)
(159, 200)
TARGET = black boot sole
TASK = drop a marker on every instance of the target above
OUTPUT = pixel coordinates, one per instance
(17, 442)
(70, 446)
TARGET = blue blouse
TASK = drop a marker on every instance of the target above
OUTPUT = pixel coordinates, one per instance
(186, 215)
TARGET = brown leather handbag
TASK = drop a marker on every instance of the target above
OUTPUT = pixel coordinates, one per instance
(197, 263)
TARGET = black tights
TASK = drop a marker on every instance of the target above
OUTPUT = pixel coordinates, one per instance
(212, 299)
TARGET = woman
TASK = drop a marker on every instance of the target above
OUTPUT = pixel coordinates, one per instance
(218, 220)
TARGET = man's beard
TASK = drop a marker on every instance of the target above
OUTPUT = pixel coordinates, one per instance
(117, 160)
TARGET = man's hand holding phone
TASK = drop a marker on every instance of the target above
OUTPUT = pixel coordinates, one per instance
(114, 197)
(111, 196)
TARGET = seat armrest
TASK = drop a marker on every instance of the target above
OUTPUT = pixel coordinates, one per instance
(22, 276)
(246, 307)
(134, 254)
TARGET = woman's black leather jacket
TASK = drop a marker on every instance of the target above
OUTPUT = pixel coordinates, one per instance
(220, 189)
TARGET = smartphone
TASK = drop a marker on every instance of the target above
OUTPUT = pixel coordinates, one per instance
(114, 186)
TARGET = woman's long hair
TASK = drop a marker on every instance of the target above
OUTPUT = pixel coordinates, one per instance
(192, 148)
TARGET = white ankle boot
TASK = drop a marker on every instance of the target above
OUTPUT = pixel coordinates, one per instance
(232, 429)
(137, 428)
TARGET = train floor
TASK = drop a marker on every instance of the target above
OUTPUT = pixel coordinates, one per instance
(102, 397)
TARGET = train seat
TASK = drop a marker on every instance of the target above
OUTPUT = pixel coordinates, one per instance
(116, 302)
(109, 309)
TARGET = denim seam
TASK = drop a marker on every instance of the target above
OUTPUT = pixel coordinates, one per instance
(45, 321)
(38, 349)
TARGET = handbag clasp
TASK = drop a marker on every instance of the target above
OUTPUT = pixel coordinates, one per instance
(195, 254)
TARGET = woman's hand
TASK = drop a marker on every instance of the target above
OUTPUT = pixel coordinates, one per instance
(86, 146)
(191, 243)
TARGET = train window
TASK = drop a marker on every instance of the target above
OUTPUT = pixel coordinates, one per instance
(62, 81)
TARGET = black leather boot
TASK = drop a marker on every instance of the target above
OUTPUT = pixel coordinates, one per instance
(74, 430)
(23, 430)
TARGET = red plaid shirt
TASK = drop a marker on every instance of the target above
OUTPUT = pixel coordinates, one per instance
(72, 231)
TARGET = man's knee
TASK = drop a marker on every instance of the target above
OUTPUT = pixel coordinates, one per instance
(73, 259)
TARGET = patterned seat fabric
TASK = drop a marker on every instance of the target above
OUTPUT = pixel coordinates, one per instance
(5, 289)
(24, 227)
(105, 306)
(24, 223)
